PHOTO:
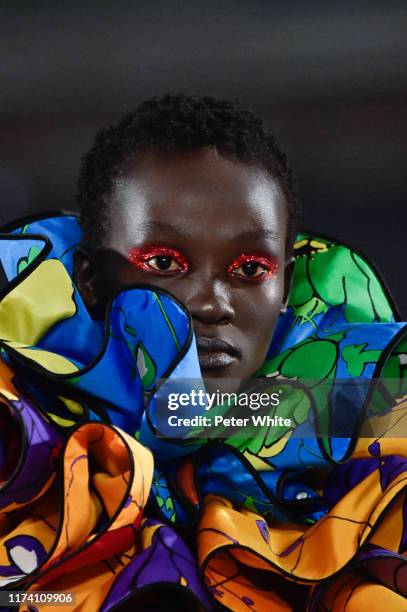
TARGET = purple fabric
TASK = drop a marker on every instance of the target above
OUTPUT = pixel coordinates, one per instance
(384, 566)
(262, 527)
(391, 466)
(403, 541)
(343, 478)
(166, 560)
(40, 441)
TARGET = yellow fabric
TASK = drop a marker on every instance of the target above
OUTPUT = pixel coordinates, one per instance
(50, 361)
(37, 303)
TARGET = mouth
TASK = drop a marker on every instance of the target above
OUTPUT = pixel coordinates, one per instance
(215, 354)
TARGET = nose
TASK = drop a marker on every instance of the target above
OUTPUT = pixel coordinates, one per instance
(209, 303)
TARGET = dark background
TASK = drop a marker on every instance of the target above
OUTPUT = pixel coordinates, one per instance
(330, 78)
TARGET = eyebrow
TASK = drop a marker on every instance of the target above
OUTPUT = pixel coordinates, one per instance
(176, 230)
(167, 228)
(259, 234)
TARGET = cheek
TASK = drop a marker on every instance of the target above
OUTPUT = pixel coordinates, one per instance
(256, 318)
(117, 276)
(257, 307)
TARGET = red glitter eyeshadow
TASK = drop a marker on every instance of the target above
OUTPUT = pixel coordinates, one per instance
(270, 265)
(139, 258)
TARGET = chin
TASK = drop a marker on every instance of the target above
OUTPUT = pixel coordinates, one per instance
(221, 385)
(225, 380)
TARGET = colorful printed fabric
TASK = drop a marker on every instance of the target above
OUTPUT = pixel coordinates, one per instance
(93, 502)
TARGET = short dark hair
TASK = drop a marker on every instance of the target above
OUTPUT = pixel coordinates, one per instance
(178, 123)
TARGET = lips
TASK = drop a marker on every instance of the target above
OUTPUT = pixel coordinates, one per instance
(215, 353)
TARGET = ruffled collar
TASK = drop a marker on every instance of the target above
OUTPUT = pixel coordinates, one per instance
(340, 323)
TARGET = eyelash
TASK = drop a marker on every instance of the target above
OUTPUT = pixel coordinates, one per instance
(269, 265)
(141, 259)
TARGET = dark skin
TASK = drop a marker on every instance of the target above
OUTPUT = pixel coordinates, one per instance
(210, 230)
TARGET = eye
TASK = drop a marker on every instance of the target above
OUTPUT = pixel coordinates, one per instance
(250, 269)
(158, 260)
(253, 267)
(163, 263)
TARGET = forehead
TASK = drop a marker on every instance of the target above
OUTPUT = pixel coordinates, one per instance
(197, 192)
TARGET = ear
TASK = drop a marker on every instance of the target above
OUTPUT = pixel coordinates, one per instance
(288, 280)
(86, 280)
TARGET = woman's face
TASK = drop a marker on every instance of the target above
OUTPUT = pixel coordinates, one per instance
(211, 231)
